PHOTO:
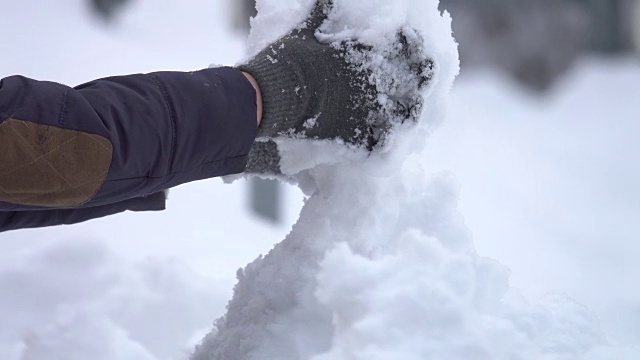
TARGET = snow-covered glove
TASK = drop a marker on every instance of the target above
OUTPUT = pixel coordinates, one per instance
(323, 91)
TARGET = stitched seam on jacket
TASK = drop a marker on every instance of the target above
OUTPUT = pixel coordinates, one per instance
(64, 104)
(172, 122)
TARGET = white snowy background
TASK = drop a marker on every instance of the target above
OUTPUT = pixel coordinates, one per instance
(547, 187)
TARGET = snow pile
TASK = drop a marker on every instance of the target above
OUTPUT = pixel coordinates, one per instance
(380, 264)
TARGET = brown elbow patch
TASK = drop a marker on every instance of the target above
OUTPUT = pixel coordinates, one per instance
(48, 166)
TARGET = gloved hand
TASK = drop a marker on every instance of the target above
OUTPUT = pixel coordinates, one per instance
(314, 90)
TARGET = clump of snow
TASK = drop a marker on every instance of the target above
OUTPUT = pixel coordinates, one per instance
(309, 123)
(380, 264)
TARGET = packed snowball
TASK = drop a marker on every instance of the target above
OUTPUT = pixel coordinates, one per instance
(380, 264)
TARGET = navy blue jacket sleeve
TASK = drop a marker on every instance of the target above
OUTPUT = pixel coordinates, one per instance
(14, 220)
(165, 128)
(168, 128)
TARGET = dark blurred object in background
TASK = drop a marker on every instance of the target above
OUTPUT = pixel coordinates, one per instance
(107, 9)
(635, 27)
(536, 41)
(613, 24)
(606, 16)
(243, 10)
(266, 199)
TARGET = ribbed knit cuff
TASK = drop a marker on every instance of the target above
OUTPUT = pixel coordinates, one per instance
(283, 99)
(264, 158)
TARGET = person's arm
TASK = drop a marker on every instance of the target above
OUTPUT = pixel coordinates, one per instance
(119, 138)
(122, 138)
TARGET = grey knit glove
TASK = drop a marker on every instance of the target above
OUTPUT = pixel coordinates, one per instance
(314, 90)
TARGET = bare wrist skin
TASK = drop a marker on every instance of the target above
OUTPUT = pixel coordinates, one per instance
(255, 85)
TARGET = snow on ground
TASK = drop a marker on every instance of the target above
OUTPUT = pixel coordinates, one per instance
(549, 184)
(78, 300)
(546, 186)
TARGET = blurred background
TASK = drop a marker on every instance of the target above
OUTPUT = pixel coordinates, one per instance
(542, 137)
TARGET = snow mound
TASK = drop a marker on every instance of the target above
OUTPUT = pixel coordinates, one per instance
(380, 264)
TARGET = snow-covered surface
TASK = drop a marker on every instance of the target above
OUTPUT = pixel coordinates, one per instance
(545, 186)
(549, 184)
